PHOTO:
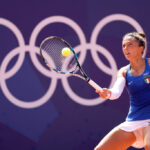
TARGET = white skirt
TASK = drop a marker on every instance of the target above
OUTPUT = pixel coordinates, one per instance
(137, 128)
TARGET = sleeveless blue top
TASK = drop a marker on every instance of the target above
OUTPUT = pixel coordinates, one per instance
(139, 94)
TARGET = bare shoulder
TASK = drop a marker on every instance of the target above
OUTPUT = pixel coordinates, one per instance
(148, 60)
(122, 71)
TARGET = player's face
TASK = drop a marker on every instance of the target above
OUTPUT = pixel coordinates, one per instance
(131, 49)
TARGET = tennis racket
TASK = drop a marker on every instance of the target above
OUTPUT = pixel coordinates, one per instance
(51, 53)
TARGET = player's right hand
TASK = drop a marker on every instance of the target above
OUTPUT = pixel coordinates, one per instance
(104, 93)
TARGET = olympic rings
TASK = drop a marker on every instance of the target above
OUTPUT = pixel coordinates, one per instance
(34, 51)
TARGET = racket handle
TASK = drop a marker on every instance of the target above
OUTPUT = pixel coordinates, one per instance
(94, 85)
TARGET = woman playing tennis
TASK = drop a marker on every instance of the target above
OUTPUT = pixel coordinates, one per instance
(135, 130)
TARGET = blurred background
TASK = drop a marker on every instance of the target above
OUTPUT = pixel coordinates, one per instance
(44, 112)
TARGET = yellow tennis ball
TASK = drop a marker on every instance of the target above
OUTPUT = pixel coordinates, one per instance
(66, 51)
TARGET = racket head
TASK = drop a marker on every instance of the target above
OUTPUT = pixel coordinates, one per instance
(51, 53)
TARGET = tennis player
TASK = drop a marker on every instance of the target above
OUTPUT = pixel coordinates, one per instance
(135, 131)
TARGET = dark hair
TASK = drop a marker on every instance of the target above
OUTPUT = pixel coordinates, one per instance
(140, 37)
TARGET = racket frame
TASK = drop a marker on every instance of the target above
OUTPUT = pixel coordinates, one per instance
(84, 75)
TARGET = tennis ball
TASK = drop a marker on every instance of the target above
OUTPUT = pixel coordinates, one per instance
(65, 51)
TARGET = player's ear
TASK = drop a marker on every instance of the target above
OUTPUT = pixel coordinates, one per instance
(142, 49)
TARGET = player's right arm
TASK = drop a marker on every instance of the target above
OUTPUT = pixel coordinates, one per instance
(117, 89)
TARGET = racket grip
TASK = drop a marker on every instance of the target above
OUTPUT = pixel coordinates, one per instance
(94, 85)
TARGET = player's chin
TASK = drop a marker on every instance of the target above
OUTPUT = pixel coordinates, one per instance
(128, 58)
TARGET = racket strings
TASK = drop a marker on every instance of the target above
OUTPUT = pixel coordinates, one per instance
(53, 48)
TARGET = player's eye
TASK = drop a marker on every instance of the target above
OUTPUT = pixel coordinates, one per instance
(124, 46)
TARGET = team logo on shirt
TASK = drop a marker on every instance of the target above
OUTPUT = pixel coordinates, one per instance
(147, 79)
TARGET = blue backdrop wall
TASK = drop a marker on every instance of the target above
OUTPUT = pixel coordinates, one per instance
(41, 111)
